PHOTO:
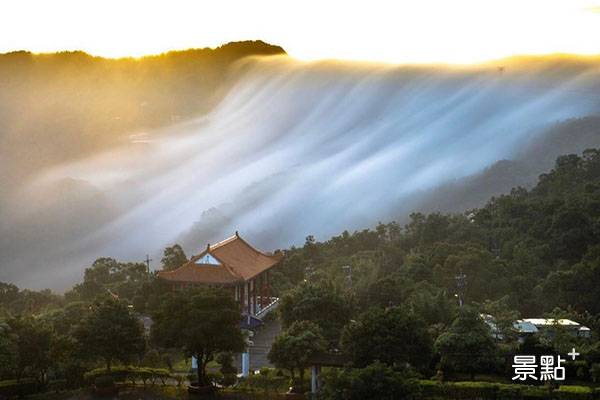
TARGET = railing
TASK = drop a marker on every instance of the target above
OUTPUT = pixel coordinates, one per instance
(272, 303)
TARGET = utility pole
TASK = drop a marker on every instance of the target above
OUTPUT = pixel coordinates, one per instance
(147, 261)
(348, 269)
(308, 273)
(461, 284)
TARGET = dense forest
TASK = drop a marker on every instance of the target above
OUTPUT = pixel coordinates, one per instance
(528, 253)
(538, 249)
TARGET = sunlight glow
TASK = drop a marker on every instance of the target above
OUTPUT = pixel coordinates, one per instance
(458, 31)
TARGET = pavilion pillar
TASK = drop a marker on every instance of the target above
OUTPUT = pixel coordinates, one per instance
(262, 291)
(254, 296)
(267, 276)
(315, 370)
(243, 296)
(248, 298)
(246, 363)
(258, 294)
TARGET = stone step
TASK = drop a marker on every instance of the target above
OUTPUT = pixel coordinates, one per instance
(262, 340)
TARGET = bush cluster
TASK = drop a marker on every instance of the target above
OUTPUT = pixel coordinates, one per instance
(129, 374)
(266, 381)
(18, 388)
(498, 391)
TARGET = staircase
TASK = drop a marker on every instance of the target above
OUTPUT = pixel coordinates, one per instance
(262, 340)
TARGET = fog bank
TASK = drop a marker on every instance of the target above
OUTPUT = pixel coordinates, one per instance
(293, 149)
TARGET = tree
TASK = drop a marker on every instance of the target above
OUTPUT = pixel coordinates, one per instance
(228, 370)
(577, 286)
(70, 358)
(64, 320)
(296, 346)
(8, 294)
(468, 345)
(149, 293)
(374, 382)
(108, 275)
(319, 303)
(32, 347)
(173, 257)
(152, 359)
(27, 301)
(391, 290)
(110, 332)
(504, 317)
(558, 336)
(202, 322)
(433, 304)
(392, 336)
(7, 350)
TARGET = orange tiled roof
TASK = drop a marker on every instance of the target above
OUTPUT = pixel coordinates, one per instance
(239, 262)
(204, 273)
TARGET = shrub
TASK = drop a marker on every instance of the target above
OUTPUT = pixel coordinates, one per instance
(582, 370)
(58, 385)
(508, 392)
(499, 391)
(471, 390)
(535, 392)
(431, 388)
(228, 371)
(574, 393)
(214, 377)
(118, 374)
(131, 374)
(105, 381)
(161, 374)
(595, 373)
(374, 382)
(13, 388)
(144, 374)
(228, 379)
(265, 382)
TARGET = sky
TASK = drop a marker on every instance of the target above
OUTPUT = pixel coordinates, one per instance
(457, 31)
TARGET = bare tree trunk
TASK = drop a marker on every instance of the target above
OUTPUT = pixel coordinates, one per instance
(199, 370)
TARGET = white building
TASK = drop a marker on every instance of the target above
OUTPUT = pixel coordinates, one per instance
(546, 324)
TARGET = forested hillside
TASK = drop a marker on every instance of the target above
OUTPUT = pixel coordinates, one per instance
(537, 249)
(387, 299)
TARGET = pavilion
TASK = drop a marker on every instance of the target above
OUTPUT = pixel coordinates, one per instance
(232, 264)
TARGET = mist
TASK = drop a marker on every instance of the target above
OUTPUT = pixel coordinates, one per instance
(292, 149)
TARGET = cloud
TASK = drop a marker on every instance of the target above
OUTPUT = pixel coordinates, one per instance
(293, 149)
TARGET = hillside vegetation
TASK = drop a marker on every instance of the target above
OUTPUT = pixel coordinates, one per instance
(538, 249)
(386, 299)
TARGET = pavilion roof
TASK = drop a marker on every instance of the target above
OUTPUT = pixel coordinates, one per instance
(236, 261)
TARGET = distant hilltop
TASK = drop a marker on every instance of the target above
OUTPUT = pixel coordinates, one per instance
(232, 49)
